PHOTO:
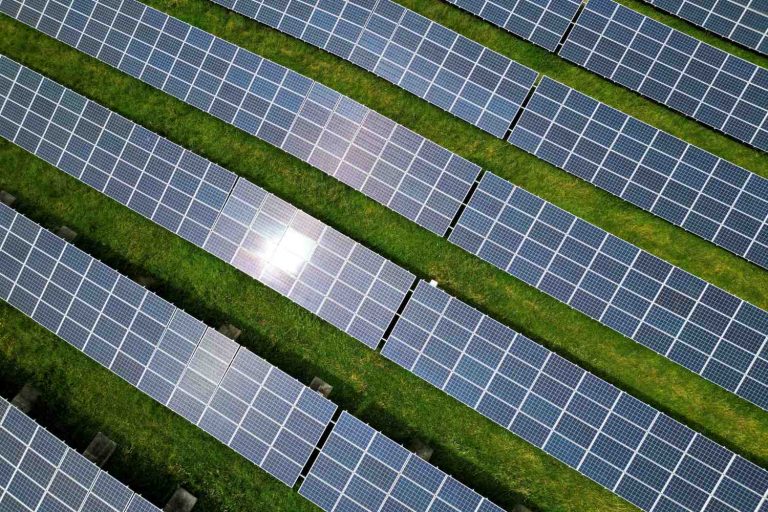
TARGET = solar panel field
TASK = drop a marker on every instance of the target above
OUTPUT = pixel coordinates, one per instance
(160, 450)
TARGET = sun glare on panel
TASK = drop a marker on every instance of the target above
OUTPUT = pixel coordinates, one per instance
(292, 251)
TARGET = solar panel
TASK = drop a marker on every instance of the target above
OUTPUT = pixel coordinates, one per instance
(334, 277)
(384, 160)
(134, 166)
(360, 469)
(677, 70)
(662, 307)
(317, 267)
(541, 22)
(742, 21)
(237, 397)
(425, 58)
(642, 455)
(651, 169)
(39, 472)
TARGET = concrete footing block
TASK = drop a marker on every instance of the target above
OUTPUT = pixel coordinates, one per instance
(433, 283)
(100, 450)
(321, 387)
(421, 449)
(26, 398)
(230, 331)
(6, 198)
(181, 501)
(66, 233)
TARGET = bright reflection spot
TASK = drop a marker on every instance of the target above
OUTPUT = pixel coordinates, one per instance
(291, 252)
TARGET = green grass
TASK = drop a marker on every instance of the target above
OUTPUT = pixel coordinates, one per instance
(164, 450)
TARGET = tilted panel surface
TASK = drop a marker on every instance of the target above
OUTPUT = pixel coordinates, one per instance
(360, 469)
(39, 472)
(257, 410)
(642, 455)
(425, 58)
(741, 21)
(651, 169)
(295, 254)
(369, 152)
(151, 175)
(262, 413)
(338, 279)
(662, 307)
(543, 23)
(673, 68)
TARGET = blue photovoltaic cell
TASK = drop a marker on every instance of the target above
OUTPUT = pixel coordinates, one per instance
(662, 307)
(369, 152)
(687, 186)
(642, 455)
(240, 399)
(457, 74)
(39, 472)
(541, 22)
(317, 267)
(742, 21)
(360, 469)
(137, 168)
(338, 279)
(666, 65)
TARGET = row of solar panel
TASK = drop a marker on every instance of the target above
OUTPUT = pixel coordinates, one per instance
(546, 23)
(240, 399)
(745, 21)
(339, 136)
(471, 372)
(678, 315)
(647, 167)
(487, 89)
(635, 451)
(457, 74)
(39, 472)
(677, 181)
(249, 405)
(314, 265)
(359, 469)
(675, 69)
(723, 342)
(681, 183)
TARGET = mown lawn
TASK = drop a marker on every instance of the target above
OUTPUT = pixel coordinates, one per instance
(160, 450)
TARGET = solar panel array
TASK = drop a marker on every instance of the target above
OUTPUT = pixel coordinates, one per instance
(699, 80)
(341, 281)
(687, 320)
(541, 22)
(39, 472)
(237, 397)
(360, 469)
(275, 421)
(635, 451)
(341, 137)
(662, 307)
(457, 74)
(651, 169)
(334, 277)
(426, 194)
(744, 21)
(360, 292)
